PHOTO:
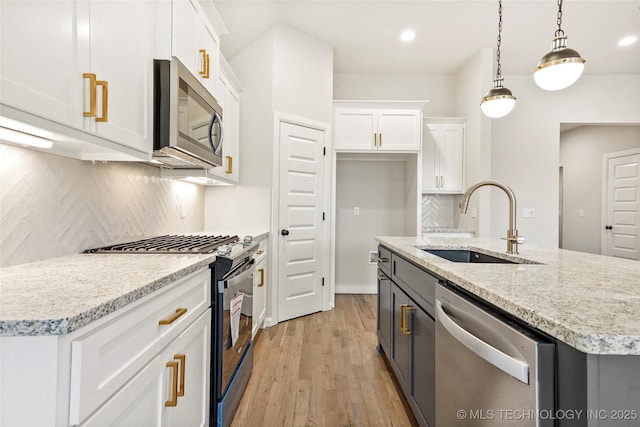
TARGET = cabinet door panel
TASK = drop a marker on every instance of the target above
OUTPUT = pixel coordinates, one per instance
(355, 129)
(124, 58)
(192, 408)
(430, 170)
(384, 312)
(423, 372)
(399, 130)
(259, 295)
(451, 153)
(401, 346)
(184, 39)
(42, 58)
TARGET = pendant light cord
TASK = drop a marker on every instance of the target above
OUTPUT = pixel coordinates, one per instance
(559, 31)
(499, 70)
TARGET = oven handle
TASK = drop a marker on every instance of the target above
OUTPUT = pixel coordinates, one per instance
(244, 274)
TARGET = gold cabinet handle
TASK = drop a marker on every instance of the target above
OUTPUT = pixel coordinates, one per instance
(105, 101)
(383, 259)
(375, 139)
(169, 320)
(174, 384)
(404, 308)
(229, 165)
(92, 94)
(203, 71)
(183, 367)
(207, 63)
(261, 270)
(380, 144)
(441, 181)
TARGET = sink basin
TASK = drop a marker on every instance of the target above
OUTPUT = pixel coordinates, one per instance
(465, 255)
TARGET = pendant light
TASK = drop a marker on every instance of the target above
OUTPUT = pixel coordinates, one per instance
(561, 67)
(499, 101)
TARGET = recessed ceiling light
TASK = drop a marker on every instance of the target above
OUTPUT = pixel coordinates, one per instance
(407, 36)
(626, 41)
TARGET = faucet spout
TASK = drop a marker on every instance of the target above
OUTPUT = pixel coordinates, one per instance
(512, 233)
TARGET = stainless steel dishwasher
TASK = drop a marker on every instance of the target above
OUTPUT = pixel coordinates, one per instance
(489, 371)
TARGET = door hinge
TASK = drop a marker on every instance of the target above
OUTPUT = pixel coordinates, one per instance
(324, 151)
(323, 281)
(323, 216)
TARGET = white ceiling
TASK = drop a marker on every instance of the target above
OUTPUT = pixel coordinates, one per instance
(365, 33)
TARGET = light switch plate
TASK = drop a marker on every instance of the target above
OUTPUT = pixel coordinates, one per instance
(528, 213)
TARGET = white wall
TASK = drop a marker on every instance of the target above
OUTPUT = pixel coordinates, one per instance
(379, 189)
(581, 151)
(53, 206)
(287, 71)
(472, 82)
(439, 90)
(526, 144)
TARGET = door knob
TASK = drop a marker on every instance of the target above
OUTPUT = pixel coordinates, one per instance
(284, 232)
(608, 227)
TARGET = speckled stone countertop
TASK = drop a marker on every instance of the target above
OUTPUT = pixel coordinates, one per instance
(59, 295)
(590, 302)
(447, 230)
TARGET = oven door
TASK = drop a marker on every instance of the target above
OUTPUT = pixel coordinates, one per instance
(237, 306)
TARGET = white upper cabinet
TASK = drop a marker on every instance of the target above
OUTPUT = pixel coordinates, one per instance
(228, 95)
(443, 159)
(369, 129)
(85, 68)
(122, 56)
(40, 72)
(195, 42)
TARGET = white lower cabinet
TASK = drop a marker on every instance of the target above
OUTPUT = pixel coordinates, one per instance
(153, 398)
(119, 370)
(260, 281)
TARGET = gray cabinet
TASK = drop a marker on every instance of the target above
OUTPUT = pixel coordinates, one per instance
(406, 330)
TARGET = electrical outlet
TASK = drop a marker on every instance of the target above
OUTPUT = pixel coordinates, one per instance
(581, 212)
(474, 212)
(528, 213)
(373, 257)
(356, 211)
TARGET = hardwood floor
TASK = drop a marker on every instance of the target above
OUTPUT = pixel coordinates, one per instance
(323, 370)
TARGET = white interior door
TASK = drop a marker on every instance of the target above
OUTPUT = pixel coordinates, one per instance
(301, 238)
(622, 232)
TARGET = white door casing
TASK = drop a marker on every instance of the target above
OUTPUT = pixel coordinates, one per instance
(621, 204)
(303, 254)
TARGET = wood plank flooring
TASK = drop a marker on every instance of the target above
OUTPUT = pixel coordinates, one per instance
(323, 370)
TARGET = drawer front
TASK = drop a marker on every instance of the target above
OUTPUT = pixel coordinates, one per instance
(104, 360)
(420, 285)
(384, 260)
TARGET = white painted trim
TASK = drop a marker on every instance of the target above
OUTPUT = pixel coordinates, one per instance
(605, 192)
(328, 295)
(357, 289)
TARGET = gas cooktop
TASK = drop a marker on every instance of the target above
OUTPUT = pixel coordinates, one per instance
(170, 244)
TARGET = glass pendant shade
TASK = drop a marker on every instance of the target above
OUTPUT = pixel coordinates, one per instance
(498, 102)
(559, 68)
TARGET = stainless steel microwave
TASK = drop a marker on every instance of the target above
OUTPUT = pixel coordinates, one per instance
(187, 120)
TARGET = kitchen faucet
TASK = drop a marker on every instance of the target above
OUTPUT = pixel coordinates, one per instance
(512, 233)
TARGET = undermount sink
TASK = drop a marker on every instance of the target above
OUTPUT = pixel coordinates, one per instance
(466, 255)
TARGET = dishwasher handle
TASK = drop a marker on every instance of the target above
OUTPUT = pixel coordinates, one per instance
(514, 367)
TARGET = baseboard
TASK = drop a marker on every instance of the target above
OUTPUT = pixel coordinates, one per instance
(357, 289)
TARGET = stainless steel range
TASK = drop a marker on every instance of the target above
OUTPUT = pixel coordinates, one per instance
(231, 322)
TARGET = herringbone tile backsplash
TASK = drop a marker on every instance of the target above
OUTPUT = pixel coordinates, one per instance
(438, 210)
(53, 206)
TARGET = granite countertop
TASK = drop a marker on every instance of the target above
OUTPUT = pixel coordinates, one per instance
(590, 302)
(447, 230)
(59, 295)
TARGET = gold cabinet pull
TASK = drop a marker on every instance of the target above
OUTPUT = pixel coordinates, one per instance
(203, 71)
(261, 270)
(229, 165)
(207, 63)
(92, 94)
(105, 101)
(169, 320)
(174, 384)
(181, 358)
(375, 139)
(380, 144)
(404, 308)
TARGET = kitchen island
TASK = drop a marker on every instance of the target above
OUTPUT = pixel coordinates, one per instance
(587, 305)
